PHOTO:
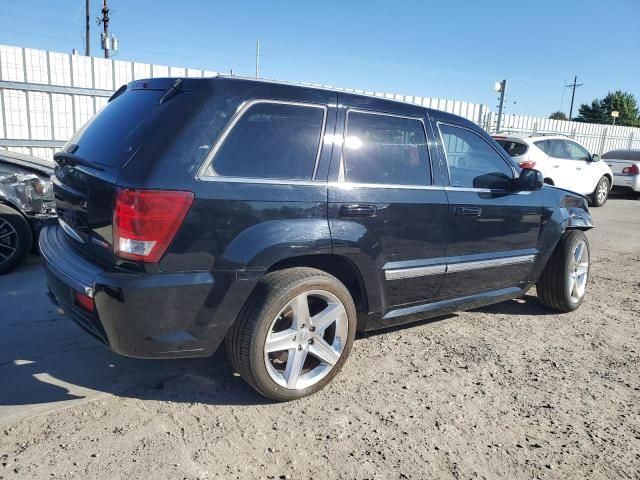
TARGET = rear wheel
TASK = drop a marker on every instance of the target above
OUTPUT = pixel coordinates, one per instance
(15, 239)
(601, 193)
(295, 335)
(562, 285)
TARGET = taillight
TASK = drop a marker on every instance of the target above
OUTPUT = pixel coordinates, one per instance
(632, 170)
(145, 222)
(83, 301)
(527, 164)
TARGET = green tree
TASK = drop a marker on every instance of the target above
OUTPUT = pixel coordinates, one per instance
(558, 116)
(600, 109)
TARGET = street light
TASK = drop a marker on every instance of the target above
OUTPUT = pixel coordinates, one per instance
(615, 114)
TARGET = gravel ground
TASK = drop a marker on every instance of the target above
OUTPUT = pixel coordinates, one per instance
(508, 391)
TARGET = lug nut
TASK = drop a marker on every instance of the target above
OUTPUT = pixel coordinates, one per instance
(311, 341)
(299, 347)
(312, 328)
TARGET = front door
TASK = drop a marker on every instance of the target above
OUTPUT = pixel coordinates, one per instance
(493, 231)
(385, 212)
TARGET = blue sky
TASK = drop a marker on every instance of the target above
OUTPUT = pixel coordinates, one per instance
(453, 49)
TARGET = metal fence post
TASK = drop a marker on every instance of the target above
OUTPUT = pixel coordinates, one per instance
(630, 141)
(604, 139)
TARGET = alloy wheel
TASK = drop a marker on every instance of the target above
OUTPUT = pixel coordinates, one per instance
(8, 240)
(603, 191)
(578, 271)
(306, 339)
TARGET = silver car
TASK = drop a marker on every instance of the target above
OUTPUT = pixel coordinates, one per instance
(625, 165)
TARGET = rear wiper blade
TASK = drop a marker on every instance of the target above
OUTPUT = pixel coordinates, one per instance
(67, 158)
(171, 91)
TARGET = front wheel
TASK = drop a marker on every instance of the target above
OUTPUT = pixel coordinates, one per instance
(15, 239)
(562, 285)
(295, 334)
(601, 193)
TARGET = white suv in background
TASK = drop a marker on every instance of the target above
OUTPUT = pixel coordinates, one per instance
(563, 162)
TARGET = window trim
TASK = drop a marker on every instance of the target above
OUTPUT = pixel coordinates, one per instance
(207, 163)
(341, 177)
(444, 151)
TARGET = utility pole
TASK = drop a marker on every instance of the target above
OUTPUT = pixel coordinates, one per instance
(501, 87)
(105, 23)
(258, 59)
(573, 86)
(87, 33)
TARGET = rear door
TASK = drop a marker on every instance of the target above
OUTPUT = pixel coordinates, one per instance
(385, 212)
(493, 231)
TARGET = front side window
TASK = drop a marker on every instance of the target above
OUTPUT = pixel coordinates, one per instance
(272, 141)
(473, 163)
(385, 149)
(576, 152)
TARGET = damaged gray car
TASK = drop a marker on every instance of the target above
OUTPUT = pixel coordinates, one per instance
(26, 203)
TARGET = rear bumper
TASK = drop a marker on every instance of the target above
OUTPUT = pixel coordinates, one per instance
(626, 181)
(142, 315)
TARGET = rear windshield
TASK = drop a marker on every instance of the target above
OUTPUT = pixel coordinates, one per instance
(116, 131)
(622, 155)
(513, 148)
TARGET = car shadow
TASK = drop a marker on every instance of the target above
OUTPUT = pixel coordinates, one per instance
(525, 305)
(47, 361)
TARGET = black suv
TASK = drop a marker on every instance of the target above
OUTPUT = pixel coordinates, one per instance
(283, 219)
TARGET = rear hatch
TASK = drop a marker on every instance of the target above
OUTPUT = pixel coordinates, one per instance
(88, 167)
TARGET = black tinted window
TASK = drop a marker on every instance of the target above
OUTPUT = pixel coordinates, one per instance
(472, 160)
(513, 148)
(122, 125)
(272, 140)
(385, 149)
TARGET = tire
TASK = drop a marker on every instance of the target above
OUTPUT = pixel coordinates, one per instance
(271, 317)
(16, 239)
(556, 290)
(601, 193)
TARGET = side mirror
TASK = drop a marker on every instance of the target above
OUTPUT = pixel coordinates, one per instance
(529, 180)
(595, 157)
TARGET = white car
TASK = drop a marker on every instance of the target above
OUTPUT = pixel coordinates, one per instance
(625, 165)
(563, 162)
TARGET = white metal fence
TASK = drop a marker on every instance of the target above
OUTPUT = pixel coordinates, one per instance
(46, 96)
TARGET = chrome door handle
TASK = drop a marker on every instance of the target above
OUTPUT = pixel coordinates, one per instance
(578, 168)
(468, 211)
(555, 166)
(358, 211)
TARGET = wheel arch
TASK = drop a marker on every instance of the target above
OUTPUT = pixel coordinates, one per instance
(337, 265)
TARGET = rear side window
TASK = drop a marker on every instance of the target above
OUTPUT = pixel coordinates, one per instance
(543, 145)
(272, 140)
(473, 162)
(385, 149)
(513, 148)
